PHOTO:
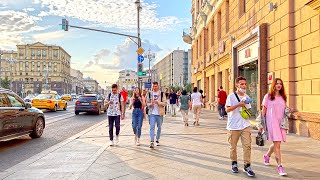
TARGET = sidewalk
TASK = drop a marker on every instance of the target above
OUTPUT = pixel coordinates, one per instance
(200, 152)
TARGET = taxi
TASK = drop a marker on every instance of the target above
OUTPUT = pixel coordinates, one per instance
(49, 100)
(67, 97)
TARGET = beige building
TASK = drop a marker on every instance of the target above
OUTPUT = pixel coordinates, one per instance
(173, 70)
(127, 79)
(77, 81)
(91, 84)
(261, 40)
(37, 67)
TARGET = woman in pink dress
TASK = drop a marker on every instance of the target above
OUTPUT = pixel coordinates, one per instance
(274, 105)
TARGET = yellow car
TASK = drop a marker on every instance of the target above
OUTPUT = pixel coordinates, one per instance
(67, 97)
(49, 100)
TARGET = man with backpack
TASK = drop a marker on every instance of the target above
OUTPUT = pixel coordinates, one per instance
(156, 101)
(115, 112)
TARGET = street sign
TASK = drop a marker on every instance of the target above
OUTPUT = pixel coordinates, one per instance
(142, 73)
(140, 51)
(140, 59)
(147, 85)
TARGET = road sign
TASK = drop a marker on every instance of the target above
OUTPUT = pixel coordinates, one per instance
(140, 51)
(140, 59)
(142, 73)
(147, 85)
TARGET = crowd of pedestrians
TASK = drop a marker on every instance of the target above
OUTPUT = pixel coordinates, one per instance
(155, 104)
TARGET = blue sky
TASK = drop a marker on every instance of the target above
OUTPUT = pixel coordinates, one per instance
(98, 55)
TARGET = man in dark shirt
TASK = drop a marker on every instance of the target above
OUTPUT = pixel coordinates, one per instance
(222, 98)
(173, 102)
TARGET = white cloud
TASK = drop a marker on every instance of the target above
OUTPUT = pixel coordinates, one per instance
(28, 9)
(13, 24)
(120, 14)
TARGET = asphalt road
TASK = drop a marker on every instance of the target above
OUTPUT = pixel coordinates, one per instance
(60, 125)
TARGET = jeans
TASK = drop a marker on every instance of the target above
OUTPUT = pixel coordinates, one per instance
(153, 119)
(173, 109)
(222, 110)
(137, 120)
(114, 120)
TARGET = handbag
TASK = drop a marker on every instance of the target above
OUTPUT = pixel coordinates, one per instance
(260, 139)
(245, 113)
(285, 122)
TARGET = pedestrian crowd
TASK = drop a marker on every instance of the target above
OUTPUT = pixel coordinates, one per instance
(155, 104)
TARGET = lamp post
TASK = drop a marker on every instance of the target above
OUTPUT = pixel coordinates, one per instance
(150, 56)
(12, 61)
(138, 5)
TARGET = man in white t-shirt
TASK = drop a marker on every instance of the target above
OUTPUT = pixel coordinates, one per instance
(196, 99)
(239, 127)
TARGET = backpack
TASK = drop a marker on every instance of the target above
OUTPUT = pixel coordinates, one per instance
(118, 98)
(147, 108)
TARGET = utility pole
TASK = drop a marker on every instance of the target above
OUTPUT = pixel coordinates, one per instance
(150, 56)
(138, 5)
(1, 53)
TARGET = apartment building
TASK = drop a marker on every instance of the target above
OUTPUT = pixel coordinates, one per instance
(174, 69)
(77, 81)
(35, 67)
(128, 79)
(91, 85)
(260, 40)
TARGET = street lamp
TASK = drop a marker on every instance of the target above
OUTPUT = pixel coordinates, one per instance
(12, 61)
(138, 5)
(150, 56)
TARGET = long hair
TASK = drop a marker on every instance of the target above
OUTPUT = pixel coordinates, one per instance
(134, 95)
(272, 90)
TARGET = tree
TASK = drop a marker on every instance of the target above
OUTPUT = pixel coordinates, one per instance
(188, 87)
(5, 83)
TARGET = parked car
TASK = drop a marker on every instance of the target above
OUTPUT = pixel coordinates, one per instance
(67, 97)
(18, 118)
(90, 103)
(29, 98)
(49, 100)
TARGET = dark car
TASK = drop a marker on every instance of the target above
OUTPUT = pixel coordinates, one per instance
(90, 103)
(18, 118)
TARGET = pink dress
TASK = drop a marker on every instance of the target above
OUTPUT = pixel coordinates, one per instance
(274, 115)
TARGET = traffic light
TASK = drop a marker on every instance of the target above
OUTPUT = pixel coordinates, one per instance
(140, 67)
(65, 24)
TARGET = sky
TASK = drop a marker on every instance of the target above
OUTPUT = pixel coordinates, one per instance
(98, 55)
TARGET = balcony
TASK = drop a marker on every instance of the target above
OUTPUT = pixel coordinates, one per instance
(186, 36)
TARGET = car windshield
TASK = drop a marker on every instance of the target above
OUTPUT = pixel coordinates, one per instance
(87, 98)
(44, 96)
(30, 96)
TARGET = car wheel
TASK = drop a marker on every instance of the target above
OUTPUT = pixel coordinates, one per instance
(76, 112)
(55, 108)
(65, 107)
(38, 128)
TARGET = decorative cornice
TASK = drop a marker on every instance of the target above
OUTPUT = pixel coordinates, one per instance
(315, 4)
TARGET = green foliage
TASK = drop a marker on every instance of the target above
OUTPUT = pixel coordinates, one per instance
(5, 83)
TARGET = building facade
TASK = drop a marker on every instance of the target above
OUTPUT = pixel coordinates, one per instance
(173, 70)
(128, 79)
(91, 85)
(260, 40)
(37, 67)
(77, 81)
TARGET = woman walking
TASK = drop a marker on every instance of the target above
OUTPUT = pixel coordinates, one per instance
(274, 110)
(197, 101)
(138, 103)
(184, 101)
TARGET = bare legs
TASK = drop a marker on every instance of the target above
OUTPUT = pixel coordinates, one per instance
(275, 148)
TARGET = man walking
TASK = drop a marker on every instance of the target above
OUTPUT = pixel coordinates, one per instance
(173, 102)
(115, 111)
(222, 98)
(156, 101)
(124, 94)
(239, 127)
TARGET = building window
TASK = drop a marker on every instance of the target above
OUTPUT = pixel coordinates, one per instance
(212, 33)
(39, 52)
(55, 64)
(49, 63)
(32, 63)
(38, 69)
(227, 16)
(219, 25)
(27, 64)
(32, 52)
(242, 7)
(44, 52)
(20, 73)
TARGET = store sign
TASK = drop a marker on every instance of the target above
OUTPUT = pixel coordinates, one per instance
(248, 54)
(270, 77)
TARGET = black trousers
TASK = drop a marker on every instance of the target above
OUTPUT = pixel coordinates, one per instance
(114, 120)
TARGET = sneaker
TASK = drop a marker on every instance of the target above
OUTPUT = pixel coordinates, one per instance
(117, 139)
(266, 159)
(281, 171)
(194, 123)
(152, 145)
(157, 143)
(221, 118)
(187, 124)
(197, 124)
(111, 143)
(138, 142)
(235, 167)
(249, 171)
